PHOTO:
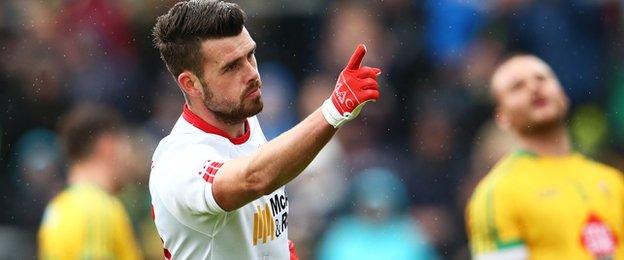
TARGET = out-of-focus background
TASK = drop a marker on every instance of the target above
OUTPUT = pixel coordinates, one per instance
(394, 182)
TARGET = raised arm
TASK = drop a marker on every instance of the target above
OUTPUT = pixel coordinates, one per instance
(277, 162)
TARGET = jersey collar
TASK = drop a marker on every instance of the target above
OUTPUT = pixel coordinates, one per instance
(527, 153)
(196, 121)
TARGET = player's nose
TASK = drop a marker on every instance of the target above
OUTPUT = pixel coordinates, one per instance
(535, 85)
(251, 73)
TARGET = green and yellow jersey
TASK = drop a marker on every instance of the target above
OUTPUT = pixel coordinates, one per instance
(85, 222)
(540, 207)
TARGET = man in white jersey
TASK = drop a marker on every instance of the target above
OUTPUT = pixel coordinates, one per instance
(216, 183)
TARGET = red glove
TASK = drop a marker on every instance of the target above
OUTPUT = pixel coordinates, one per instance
(355, 86)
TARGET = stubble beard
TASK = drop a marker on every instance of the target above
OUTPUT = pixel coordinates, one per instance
(546, 126)
(230, 113)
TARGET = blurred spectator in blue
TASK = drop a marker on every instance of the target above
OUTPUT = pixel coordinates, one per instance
(451, 26)
(377, 227)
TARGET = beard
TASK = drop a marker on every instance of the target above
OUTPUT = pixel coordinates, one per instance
(233, 112)
(535, 127)
(538, 128)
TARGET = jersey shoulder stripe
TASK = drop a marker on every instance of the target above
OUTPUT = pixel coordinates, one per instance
(482, 211)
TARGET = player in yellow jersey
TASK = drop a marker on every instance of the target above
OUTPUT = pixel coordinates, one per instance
(86, 221)
(543, 201)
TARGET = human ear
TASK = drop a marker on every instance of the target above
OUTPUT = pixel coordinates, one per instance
(190, 84)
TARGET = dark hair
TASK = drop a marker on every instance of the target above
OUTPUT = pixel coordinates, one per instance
(178, 34)
(81, 128)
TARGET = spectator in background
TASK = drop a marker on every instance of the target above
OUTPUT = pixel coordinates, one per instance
(376, 228)
(85, 221)
(543, 201)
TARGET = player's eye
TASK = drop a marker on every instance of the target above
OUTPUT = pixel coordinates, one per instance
(517, 85)
(231, 67)
(540, 77)
(251, 54)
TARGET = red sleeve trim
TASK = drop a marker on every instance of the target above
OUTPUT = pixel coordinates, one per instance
(198, 122)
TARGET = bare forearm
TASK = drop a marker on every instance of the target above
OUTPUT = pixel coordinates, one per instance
(274, 164)
(282, 159)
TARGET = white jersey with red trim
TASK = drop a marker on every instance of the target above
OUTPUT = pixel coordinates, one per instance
(189, 221)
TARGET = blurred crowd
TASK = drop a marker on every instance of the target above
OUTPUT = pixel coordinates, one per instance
(394, 183)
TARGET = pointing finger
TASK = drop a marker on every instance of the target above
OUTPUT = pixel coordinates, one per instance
(356, 58)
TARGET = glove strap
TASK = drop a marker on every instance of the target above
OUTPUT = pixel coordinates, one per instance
(332, 115)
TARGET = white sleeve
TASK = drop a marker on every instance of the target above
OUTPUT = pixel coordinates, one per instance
(513, 253)
(183, 179)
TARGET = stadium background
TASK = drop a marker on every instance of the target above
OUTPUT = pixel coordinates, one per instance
(416, 154)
